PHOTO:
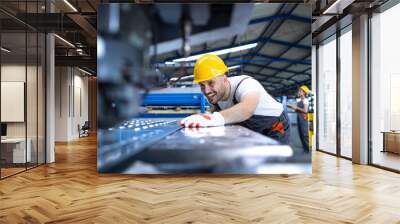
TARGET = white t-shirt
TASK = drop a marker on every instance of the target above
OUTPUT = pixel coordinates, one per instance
(305, 100)
(267, 105)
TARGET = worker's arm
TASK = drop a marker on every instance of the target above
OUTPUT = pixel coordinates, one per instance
(299, 109)
(243, 110)
(237, 113)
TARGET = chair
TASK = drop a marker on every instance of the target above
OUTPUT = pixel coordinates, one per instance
(84, 130)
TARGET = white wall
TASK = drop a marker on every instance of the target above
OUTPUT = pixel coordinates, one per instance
(11, 73)
(71, 102)
(81, 103)
(15, 72)
(61, 103)
(33, 127)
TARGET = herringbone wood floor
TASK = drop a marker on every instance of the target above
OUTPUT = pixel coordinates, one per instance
(71, 191)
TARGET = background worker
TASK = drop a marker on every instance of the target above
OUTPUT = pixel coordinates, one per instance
(302, 109)
(237, 100)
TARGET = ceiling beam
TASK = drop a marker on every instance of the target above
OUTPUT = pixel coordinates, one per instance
(232, 43)
(271, 59)
(287, 90)
(280, 16)
(279, 69)
(288, 66)
(258, 40)
(83, 61)
(274, 26)
(265, 77)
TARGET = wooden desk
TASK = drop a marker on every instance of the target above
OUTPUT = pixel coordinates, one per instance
(13, 150)
(391, 141)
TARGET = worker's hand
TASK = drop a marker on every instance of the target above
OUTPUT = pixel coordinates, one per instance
(291, 106)
(203, 120)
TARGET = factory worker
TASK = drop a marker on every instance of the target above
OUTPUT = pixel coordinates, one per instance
(302, 109)
(236, 100)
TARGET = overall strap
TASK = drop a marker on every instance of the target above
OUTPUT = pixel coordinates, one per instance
(217, 107)
(234, 93)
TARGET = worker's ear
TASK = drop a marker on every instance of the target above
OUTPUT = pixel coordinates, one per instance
(225, 78)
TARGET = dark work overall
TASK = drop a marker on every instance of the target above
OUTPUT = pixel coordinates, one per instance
(302, 125)
(274, 127)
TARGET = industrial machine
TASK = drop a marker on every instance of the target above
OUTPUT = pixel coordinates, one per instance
(138, 118)
(174, 102)
(128, 52)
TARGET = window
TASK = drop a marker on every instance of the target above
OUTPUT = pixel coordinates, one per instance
(327, 96)
(385, 88)
(22, 87)
(346, 92)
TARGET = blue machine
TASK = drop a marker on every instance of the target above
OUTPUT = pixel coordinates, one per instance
(169, 101)
(283, 100)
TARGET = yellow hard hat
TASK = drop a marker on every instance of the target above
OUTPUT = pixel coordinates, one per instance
(305, 89)
(207, 67)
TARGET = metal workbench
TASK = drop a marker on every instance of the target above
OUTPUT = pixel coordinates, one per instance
(175, 150)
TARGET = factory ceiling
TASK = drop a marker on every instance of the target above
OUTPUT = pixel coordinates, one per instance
(281, 61)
